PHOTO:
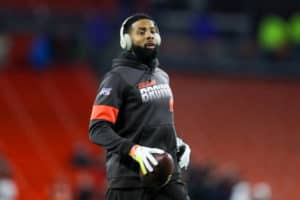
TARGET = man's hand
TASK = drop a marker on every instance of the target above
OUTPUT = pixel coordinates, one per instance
(183, 152)
(143, 156)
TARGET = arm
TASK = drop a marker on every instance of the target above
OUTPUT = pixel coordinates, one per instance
(102, 133)
(105, 113)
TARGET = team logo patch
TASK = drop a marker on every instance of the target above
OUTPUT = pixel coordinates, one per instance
(146, 84)
(105, 91)
(154, 92)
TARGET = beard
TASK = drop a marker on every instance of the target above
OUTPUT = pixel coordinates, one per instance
(144, 54)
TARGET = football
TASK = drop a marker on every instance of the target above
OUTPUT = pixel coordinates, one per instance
(162, 172)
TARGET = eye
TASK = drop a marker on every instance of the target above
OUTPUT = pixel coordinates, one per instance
(153, 30)
(141, 33)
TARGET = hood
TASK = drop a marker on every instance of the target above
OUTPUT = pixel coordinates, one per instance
(128, 59)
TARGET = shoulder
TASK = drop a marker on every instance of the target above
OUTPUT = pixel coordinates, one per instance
(127, 74)
(162, 72)
(111, 79)
(111, 75)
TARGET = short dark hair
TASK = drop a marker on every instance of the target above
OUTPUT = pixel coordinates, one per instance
(133, 18)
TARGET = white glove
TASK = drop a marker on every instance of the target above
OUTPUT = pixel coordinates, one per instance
(143, 156)
(185, 151)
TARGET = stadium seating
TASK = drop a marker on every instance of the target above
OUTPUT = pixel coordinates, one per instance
(251, 125)
(248, 124)
(44, 115)
(77, 5)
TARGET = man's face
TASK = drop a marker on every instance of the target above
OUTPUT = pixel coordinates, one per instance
(142, 34)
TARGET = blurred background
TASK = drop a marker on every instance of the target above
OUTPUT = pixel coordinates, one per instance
(235, 73)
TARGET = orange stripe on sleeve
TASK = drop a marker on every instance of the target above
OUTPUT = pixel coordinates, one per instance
(171, 104)
(108, 113)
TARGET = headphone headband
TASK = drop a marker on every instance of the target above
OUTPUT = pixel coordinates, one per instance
(133, 18)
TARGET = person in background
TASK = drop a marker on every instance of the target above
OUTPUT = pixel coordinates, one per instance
(8, 187)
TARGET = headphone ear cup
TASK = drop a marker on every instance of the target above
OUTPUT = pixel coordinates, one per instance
(157, 38)
(127, 41)
(122, 42)
(122, 39)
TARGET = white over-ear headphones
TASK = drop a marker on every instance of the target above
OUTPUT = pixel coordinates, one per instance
(125, 40)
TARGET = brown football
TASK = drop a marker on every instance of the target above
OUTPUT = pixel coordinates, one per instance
(162, 173)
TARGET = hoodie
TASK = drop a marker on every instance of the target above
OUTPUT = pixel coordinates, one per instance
(134, 105)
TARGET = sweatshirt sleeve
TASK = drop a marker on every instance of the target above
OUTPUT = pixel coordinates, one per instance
(105, 114)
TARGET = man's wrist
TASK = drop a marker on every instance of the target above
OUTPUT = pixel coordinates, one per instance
(132, 150)
(126, 147)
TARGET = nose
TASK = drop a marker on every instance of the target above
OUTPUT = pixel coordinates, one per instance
(150, 35)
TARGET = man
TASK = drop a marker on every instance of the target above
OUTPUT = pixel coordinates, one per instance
(132, 117)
